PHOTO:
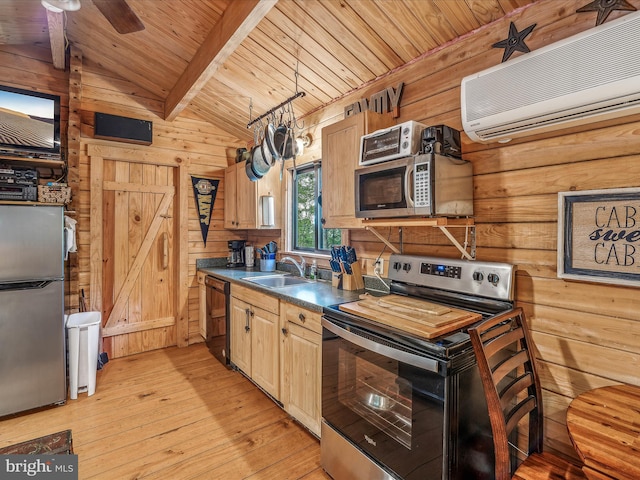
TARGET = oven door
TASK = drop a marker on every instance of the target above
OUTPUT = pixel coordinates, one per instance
(409, 413)
(385, 190)
(388, 403)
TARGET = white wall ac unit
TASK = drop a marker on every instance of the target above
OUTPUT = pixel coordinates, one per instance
(589, 77)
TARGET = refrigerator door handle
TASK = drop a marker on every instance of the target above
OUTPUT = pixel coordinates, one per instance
(35, 285)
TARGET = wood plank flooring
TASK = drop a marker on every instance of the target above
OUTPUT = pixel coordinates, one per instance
(176, 413)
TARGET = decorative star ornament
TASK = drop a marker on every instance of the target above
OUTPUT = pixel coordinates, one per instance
(605, 7)
(514, 42)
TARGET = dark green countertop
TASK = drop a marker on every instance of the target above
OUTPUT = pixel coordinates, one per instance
(313, 295)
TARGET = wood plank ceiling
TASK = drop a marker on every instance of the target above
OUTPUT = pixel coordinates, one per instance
(336, 46)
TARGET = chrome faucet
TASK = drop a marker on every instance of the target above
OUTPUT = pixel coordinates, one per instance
(300, 266)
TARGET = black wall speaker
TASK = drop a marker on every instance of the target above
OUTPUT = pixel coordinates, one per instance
(122, 129)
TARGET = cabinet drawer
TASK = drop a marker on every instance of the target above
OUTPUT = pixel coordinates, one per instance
(258, 299)
(303, 317)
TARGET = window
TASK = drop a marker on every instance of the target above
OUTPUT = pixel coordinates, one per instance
(308, 233)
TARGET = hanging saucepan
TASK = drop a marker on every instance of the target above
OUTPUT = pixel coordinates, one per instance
(249, 168)
(260, 164)
(240, 154)
(268, 144)
(284, 142)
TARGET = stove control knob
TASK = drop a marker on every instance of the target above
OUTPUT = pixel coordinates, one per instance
(478, 276)
(406, 267)
(397, 266)
(493, 278)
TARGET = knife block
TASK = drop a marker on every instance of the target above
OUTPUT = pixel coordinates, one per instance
(345, 281)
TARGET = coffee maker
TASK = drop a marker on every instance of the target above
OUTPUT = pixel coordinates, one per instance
(236, 253)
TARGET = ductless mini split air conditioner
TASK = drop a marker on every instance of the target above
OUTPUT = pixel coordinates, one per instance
(589, 77)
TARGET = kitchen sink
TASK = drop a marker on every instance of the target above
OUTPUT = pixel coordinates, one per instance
(277, 281)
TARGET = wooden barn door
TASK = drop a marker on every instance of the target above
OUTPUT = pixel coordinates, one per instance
(138, 265)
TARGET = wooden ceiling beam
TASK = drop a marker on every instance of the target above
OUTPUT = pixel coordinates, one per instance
(236, 23)
(55, 22)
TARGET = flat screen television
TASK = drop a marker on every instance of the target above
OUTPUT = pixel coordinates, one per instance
(29, 123)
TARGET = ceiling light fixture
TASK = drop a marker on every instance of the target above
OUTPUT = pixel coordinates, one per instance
(58, 6)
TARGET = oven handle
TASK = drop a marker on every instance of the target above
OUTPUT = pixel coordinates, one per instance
(405, 357)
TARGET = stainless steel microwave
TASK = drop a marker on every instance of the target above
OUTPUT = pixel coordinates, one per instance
(419, 185)
(390, 143)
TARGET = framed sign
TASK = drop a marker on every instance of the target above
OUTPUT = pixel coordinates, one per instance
(599, 236)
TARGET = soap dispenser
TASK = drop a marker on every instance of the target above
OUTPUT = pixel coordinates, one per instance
(313, 271)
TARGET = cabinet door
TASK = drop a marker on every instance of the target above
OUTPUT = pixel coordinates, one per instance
(270, 185)
(340, 154)
(240, 341)
(202, 305)
(245, 199)
(265, 359)
(230, 194)
(301, 389)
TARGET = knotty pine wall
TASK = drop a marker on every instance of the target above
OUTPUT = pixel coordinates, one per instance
(30, 68)
(587, 334)
(199, 143)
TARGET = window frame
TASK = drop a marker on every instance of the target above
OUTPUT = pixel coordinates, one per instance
(316, 168)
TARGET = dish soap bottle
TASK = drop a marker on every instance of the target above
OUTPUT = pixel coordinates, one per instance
(313, 270)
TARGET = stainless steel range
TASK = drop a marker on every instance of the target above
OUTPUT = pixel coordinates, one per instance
(401, 393)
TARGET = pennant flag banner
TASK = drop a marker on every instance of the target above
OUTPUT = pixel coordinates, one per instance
(204, 191)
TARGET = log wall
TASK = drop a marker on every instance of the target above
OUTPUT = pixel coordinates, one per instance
(193, 141)
(197, 144)
(587, 334)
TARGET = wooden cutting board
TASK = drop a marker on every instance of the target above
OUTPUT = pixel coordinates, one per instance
(408, 304)
(412, 319)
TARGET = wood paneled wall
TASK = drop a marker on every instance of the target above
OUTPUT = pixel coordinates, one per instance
(30, 68)
(201, 146)
(587, 334)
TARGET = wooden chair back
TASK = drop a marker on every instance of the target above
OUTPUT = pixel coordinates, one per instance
(503, 349)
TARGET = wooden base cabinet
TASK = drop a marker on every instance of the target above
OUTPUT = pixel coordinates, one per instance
(254, 337)
(301, 365)
(202, 305)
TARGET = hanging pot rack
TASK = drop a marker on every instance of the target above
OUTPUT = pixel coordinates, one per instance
(275, 109)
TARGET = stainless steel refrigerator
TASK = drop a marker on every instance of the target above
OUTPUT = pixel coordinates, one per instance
(32, 330)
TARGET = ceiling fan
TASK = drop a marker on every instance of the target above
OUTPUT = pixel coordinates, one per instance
(117, 12)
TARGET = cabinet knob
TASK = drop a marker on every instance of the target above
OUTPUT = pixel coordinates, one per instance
(323, 221)
(301, 317)
(285, 331)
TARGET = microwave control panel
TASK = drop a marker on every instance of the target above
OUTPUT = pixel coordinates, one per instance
(421, 185)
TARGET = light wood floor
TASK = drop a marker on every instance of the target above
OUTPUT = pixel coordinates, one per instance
(175, 413)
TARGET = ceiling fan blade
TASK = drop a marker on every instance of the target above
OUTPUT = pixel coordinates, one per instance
(120, 15)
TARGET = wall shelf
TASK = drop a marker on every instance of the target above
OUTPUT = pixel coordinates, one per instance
(443, 223)
(30, 161)
(25, 202)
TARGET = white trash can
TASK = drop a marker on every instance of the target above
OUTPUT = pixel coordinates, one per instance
(83, 331)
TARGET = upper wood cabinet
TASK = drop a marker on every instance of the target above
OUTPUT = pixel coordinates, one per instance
(340, 153)
(243, 198)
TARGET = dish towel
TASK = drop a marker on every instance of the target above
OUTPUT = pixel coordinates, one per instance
(69, 236)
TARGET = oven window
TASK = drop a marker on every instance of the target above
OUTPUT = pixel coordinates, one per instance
(393, 411)
(382, 190)
(381, 397)
(381, 145)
